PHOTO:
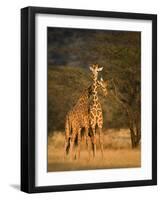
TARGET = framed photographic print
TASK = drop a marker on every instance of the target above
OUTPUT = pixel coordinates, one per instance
(88, 99)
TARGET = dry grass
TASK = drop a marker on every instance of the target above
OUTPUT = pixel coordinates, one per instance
(117, 153)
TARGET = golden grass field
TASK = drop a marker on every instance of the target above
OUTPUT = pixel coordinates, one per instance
(117, 153)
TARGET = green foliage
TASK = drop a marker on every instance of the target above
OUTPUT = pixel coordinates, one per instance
(65, 84)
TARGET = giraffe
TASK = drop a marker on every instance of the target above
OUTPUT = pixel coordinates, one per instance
(95, 112)
(76, 120)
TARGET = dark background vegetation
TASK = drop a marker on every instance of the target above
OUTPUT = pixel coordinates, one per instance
(71, 51)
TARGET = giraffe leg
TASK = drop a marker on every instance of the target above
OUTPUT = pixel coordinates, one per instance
(101, 141)
(66, 147)
(88, 142)
(89, 148)
(94, 141)
(72, 140)
(79, 142)
(67, 137)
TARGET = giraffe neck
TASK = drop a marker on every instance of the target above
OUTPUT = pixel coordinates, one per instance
(83, 99)
(94, 92)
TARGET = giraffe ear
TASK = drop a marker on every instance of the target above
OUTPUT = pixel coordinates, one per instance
(100, 69)
(91, 68)
(101, 79)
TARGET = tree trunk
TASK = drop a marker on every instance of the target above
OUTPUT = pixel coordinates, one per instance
(135, 130)
(135, 139)
(134, 118)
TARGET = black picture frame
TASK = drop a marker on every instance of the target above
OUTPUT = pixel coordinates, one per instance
(28, 98)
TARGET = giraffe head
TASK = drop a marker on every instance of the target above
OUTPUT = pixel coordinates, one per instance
(95, 69)
(103, 86)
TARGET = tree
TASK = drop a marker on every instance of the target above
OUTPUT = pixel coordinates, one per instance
(132, 112)
(120, 54)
